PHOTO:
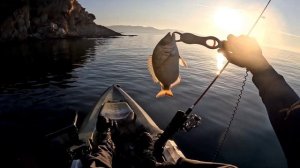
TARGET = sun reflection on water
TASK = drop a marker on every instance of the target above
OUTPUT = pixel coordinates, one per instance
(221, 60)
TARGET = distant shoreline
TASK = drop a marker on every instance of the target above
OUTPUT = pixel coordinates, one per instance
(128, 29)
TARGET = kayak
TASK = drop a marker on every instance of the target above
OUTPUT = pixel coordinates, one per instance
(118, 106)
(131, 123)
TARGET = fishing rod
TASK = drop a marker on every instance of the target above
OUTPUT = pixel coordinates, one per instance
(183, 120)
(192, 39)
(221, 143)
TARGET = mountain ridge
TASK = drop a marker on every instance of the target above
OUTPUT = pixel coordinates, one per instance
(138, 29)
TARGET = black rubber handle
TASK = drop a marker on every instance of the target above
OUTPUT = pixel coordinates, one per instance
(175, 124)
(190, 38)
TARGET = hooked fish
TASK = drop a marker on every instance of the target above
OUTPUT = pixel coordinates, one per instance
(163, 65)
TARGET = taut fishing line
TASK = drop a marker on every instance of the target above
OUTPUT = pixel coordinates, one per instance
(225, 135)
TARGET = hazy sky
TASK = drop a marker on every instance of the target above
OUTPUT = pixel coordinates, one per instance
(280, 25)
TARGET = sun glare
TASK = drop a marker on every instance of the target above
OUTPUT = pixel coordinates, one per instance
(220, 62)
(230, 20)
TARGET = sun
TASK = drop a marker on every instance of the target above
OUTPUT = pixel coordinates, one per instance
(230, 20)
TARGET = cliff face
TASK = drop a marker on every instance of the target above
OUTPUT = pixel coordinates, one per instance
(42, 19)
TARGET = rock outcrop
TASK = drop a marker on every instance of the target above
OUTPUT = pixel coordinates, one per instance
(43, 19)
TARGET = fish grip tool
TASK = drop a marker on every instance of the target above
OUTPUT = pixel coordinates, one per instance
(210, 42)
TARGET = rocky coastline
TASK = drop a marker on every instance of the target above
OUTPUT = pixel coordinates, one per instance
(48, 19)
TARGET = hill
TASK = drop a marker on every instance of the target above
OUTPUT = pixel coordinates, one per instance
(40, 19)
(126, 29)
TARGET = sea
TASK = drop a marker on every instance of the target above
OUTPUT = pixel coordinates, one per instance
(43, 82)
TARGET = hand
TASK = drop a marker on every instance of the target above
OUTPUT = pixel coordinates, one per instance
(245, 52)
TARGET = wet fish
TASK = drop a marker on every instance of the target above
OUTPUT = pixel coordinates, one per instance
(164, 63)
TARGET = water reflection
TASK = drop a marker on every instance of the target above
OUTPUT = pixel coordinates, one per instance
(34, 77)
(220, 60)
(24, 64)
(53, 78)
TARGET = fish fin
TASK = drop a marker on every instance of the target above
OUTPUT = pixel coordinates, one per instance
(163, 93)
(182, 62)
(176, 82)
(150, 69)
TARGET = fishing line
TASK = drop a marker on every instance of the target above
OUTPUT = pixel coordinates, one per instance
(182, 120)
(190, 109)
(225, 135)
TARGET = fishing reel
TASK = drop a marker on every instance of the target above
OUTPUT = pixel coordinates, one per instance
(193, 121)
(181, 121)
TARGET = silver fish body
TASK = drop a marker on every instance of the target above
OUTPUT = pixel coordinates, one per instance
(164, 65)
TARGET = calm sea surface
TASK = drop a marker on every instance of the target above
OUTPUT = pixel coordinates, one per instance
(54, 77)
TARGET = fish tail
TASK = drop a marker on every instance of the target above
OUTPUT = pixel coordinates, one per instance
(163, 93)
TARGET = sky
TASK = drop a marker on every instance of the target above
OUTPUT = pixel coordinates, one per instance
(279, 27)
